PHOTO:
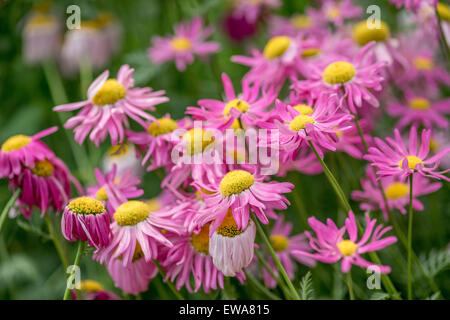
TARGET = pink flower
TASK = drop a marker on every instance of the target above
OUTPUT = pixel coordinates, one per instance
(284, 245)
(331, 247)
(92, 290)
(412, 4)
(23, 151)
(335, 12)
(86, 219)
(351, 79)
(396, 191)
(252, 10)
(189, 39)
(394, 158)
(109, 103)
(247, 107)
(115, 189)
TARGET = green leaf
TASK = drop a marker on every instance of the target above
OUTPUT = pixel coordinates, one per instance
(436, 262)
(306, 290)
(379, 296)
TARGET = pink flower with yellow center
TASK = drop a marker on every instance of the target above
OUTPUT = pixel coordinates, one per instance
(110, 102)
(189, 40)
(330, 246)
(335, 12)
(252, 9)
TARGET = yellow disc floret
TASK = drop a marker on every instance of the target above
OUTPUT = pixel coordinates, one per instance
(276, 46)
(347, 247)
(443, 11)
(413, 161)
(235, 182)
(111, 92)
(228, 227)
(310, 52)
(131, 213)
(301, 21)
(86, 205)
(200, 241)
(43, 168)
(300, 121)
(419, 104)
(423, 63)
(101, 194)
(338, 72)
(91, 286)
(197, 140)
(239, 104)
(303, 109)
(181, 44)
(363, 34)
(397, 190)
(279, 242)
(162, 126)
(118, 150)
(15, 143)
(333, 13)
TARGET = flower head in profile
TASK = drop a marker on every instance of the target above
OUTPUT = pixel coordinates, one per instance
(125, 157)
(352, 79)
(86, 219)
(21, 151)
(93, 290)
(110, 102)
(330, 246)
(189, 40)
(393, 157)
(284, 244)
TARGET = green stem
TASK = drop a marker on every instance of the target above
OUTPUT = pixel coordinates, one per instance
(410, 225)
(169, 283)
(56, 241)
(7, 207)
(85, 76)
(299, 203)
(350, 285)
(261, 287)
(76, 263)
(280, 267)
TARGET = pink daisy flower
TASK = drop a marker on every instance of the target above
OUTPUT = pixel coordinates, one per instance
(86, 219)
(331, 247)
(115, 189)
(189, 40)
(252, 10)
(109, 103)
(240, 191)
(284, 245)
(412, 4)
(247, 107)
(335, 12)
(420, 111)
(394, 158)
(21, 150)
(396, 191)
(92, 290)
(135, 225)
(351, 79)
(297, 25)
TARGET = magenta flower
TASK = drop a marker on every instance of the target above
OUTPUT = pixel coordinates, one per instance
(189, 40)
(396, 191)
(412, 4)
(335, 12)
(115, 189)
(252, 10)
(394, 158)
(20, 150)
(86, 219)
(285, 245)
(351, 79)
(92, 290)
(331, 247)
(247, 107)
(109, 103)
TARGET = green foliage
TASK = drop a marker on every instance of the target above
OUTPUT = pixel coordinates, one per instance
(436, 262)
(306, 290)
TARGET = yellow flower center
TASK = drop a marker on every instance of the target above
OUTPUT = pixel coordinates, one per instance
(310, 52)
(111, 92)
(363, 35)
(276, 46)
(101, 194)
(86, 205)
(434, 145)
(301, 21)
(239, 104)
(303, 109)
(228, 227)
(279, 242)
(338, 72)
(200, 241)
(347, 247)
(235, 182)
(153, 204)
(397, 190)
(333, 13)
(300, 121)
(197, 140)
(199, 194)
(419, 104)
(443, 11)
(131, 213)
(423, 63)
(15, 143)
(181, 44)
(39, 20)
(118, 150)
(43, 168)
(91, 286)
(413, 161)
(162, 126)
